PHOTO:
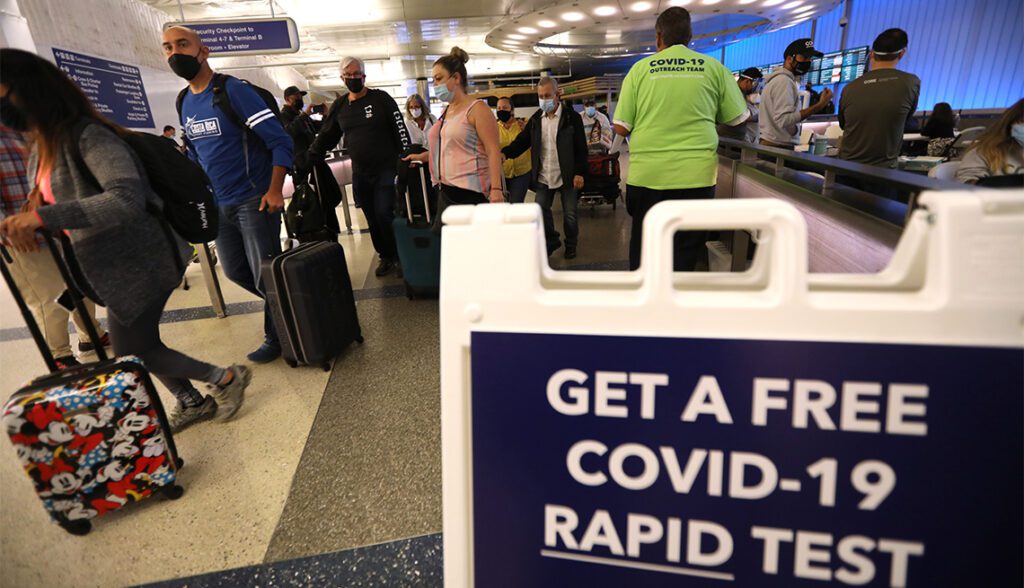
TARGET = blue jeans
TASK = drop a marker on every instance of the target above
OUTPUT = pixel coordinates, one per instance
(374, 192)
(545, 197)
(247, 237)
(517, 187)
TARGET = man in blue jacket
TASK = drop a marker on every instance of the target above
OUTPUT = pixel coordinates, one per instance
(246, 165)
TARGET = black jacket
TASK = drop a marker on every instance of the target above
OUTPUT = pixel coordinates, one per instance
(301, 129)
(571, 140)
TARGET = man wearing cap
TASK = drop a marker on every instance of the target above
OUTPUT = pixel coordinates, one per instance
(780, 102)
(875, 107)
(297, 122)
(303, 131)
(747, 83)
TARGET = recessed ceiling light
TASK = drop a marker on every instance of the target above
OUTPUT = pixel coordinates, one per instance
(605, 10)
(640, 6)
(747, 1)
(548, 24)
(515, 36)
(792, 5)
(804, 8)
(773, 2)
(709, 2)
(578, 16)
(680, 2)
(528, 30)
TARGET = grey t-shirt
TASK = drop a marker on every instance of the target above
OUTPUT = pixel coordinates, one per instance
(873, 111)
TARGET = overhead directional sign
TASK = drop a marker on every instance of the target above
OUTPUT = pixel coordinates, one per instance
(246, 37)
(115, 89)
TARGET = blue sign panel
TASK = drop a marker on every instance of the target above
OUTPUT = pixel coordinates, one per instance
(115, 89)
(636, 461)
(248, 37)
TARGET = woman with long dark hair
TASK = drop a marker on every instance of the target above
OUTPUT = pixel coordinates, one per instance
(124, 253)
(999, 151)
(941, 123)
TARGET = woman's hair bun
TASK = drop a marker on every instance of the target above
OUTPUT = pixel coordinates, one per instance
(459, 54)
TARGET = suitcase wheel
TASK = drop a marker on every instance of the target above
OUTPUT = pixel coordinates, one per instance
(79, 527)
(359, 339)
(174, 492)
(326, 366)
(180, 463)
(291, 363)
(408, 293)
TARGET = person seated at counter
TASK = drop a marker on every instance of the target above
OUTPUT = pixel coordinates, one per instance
(875, 107)
(998, 152)
(940, 132)
(941, 124)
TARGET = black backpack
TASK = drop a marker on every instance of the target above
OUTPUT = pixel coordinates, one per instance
(221, 101)
(189, 206)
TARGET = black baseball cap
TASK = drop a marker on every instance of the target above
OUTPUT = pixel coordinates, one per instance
(292, 90)
(803, 47)
(751, 73)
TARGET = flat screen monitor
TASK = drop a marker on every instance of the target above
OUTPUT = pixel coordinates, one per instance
(837, 67)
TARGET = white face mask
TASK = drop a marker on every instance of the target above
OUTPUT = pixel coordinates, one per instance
(416, 112)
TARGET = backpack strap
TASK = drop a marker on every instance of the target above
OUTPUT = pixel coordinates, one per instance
(179, 102)
(223, 102)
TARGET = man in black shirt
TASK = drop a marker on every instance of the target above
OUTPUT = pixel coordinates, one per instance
(375, 136)
(303, 131)
(169, 135)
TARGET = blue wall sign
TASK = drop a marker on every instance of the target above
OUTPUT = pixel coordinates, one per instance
(115, 89)
(247, 37)
(643, 461)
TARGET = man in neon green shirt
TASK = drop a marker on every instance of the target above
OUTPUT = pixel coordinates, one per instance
(669, 105)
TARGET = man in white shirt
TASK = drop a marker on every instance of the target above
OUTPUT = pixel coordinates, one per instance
(596, 127)
(559, 150)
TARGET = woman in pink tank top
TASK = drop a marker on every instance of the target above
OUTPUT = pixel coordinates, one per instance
(464, 152)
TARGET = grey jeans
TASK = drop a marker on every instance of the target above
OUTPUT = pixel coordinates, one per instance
(173, 368)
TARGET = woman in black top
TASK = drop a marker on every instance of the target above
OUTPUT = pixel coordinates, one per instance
(940, 124)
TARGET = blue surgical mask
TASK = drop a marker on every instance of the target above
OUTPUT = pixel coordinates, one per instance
(1017, 132)
(443, 93)
(591, 111)
(548, 106)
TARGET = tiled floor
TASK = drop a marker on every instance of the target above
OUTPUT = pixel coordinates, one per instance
(313, 463)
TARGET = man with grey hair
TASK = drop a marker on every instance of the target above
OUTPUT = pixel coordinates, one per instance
(237, 139)
(376, 137)
(558, 145)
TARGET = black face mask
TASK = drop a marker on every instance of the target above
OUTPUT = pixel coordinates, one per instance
(802, 67)
(504, 115)
(11, 116)
(298, 104)
(354, 85)
(184, 66)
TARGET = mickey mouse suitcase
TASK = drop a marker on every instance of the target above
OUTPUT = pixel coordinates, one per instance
(92, 438)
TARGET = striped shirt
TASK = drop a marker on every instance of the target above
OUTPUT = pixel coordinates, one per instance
(457, 156)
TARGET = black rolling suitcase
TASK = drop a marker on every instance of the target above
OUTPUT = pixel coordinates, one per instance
(310, 296)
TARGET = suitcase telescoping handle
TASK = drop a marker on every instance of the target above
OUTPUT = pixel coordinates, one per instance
(76, 298)
(423, 186)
